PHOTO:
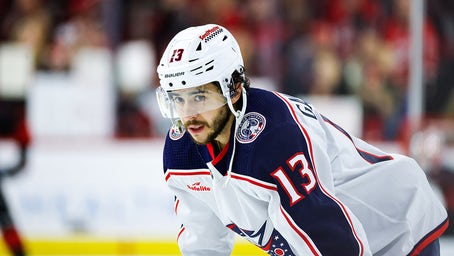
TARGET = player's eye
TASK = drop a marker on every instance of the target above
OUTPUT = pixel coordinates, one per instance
(199, 98)
(177, 99)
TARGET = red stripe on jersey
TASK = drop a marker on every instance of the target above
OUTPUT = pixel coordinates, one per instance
(429, 238)
(211, 150)
(221, 155)
(179, 233)
(306, 240)
(254, 182)
(185, 173)
(267, 247)
(175, 208)
(309, 144)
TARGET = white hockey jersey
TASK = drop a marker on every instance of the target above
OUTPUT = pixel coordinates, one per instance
(299, 185)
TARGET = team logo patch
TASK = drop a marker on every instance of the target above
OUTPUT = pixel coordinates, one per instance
(250, 127)
(175, 133)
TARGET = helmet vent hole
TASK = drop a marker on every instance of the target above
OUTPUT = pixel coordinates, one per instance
(183, 82)
(170, 84)
(199, 47)
(209, 62)
(193, 60)
(225, 38)
(210, 68)
(199, 67)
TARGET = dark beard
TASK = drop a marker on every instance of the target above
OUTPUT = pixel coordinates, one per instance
(218, 125)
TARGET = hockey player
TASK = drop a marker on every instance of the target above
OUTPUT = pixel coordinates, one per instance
(270, 168)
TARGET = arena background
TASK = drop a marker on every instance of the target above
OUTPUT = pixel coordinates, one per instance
(83, 75)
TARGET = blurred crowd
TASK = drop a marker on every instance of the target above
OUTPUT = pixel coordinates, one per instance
(305, 47)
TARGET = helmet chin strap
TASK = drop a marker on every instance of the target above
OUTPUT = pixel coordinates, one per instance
(238, 117)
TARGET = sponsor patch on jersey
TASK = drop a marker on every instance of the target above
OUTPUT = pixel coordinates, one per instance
(250, 127)
(175, 133)
(197, 186)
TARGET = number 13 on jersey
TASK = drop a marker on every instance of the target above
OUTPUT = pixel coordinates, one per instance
(297, 163)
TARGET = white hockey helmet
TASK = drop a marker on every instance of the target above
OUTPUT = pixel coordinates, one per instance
(194, 57)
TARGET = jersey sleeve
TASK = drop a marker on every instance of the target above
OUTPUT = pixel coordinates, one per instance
(201, 232)
(304, 210)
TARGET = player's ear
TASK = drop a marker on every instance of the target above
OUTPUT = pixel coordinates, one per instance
(237, 94)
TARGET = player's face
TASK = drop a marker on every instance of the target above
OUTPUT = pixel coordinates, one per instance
(206, 126)
(192, 101)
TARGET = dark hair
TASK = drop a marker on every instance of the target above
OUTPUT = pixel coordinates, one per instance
(241, 77)
(237, 77)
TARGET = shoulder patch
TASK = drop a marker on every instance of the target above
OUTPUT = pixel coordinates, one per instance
(250, 127)
(175, 133)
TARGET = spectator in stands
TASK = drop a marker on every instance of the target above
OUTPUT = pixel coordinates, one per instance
(396, 33)
(366, 75)
(83, 29)
(27, 23)
(264, 23)
(326, 71)
(439, 95)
